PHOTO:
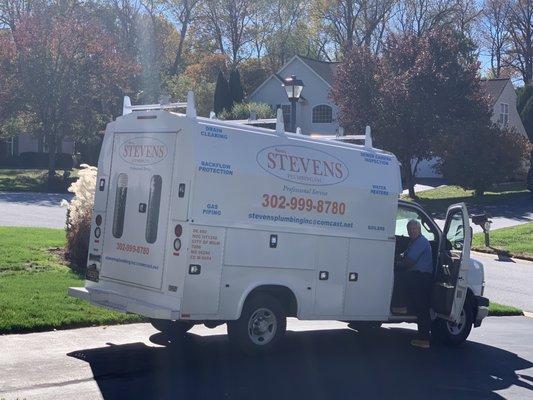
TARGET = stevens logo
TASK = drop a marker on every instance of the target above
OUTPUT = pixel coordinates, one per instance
(300, 164)
(143, 151)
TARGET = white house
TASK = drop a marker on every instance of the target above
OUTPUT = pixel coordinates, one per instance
(315, 112)
(25, 142)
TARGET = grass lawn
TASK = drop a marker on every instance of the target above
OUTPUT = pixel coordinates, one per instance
(499, 310)
(436, 201)
(32, 180)
(34, 283)
(516, 241)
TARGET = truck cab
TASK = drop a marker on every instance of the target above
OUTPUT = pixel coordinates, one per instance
(457, 298)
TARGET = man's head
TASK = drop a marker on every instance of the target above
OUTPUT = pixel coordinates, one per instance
(413, 228)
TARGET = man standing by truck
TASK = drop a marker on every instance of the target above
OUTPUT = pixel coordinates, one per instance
(418, 281)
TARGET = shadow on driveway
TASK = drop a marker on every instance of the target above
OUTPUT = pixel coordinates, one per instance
(332, 364)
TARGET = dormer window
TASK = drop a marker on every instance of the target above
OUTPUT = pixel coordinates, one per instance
(504, 114)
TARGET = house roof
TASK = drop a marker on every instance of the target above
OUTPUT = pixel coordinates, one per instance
(494, 87)
(326, 70)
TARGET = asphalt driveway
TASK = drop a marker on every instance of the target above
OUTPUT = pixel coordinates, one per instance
(33, 209)
(318, 360)
(508, 281)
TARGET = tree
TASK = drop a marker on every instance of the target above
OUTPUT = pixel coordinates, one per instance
(413, 94)
(481, 156)
(235, 87)
(183, 12)
(495, 34)
(228, 23)
(222, 98)
(423, 16)
(350, 23)
(69, 74)
(521, 33)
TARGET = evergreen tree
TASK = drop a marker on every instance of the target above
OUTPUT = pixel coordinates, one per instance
(235, 87)
(222, 99)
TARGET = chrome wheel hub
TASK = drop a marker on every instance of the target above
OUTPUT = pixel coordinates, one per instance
(262, 326)
(456, 329)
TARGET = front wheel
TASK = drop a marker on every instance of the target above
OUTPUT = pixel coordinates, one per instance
(171, 328)
(261, 326)
(452, 334)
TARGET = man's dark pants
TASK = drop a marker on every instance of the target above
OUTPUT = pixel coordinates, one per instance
(418, 287)
(413, 289)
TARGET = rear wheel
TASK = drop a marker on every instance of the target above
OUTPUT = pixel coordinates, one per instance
(453, 334)
(261, 326)
(171, 328)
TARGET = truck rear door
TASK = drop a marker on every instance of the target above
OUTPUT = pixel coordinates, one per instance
(451, 282)
(138, 206)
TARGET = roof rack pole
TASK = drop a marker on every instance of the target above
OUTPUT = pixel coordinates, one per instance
(280, 126)
(191, 108)
(368, 138)
(126, 106)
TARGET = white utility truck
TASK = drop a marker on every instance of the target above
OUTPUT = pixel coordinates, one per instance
(202, 221)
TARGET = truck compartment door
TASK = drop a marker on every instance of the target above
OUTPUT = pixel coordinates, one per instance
(201, 291)
(331, 260)
(137, 208)
(451, 284)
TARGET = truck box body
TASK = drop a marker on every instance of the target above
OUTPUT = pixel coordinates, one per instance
(254, 207)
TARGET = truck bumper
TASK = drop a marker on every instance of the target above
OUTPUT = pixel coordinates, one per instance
(482, 310)
(116, 302)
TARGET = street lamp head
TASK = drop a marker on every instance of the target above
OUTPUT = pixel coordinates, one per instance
(293, 86)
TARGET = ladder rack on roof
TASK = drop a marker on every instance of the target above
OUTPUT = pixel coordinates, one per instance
(127, 108)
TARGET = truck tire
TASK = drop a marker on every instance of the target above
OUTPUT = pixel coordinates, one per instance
(454, 334)
(261, 326)
(170, 327)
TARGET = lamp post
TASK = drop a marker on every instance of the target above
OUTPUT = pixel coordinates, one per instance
(293, 86)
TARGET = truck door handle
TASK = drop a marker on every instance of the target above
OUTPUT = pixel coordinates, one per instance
(353, 276)
(323, 276)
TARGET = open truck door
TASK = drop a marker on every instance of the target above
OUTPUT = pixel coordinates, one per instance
(451, 284)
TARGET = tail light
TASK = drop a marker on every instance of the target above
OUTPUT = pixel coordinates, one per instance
(178, 230)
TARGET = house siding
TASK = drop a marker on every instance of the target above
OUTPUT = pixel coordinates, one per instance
(508, 96)
(315, 92)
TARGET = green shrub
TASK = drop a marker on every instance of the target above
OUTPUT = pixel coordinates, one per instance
(244, 110)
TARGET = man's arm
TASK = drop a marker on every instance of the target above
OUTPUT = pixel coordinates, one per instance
(415, 252)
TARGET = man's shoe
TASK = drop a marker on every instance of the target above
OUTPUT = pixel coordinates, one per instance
(399, 310)
(423, 344)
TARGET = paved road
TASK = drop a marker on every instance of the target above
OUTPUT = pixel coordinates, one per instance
(326, 362)
(33, 209)
(508, 281)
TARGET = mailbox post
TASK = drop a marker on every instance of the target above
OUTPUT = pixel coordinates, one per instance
(484, 222)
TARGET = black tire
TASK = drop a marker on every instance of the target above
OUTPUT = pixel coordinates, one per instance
(171, 328)
(267, 315)
(451, 334)
(365, 327)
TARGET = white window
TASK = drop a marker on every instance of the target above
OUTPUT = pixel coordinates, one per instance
(322, 114)
(504, 114)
